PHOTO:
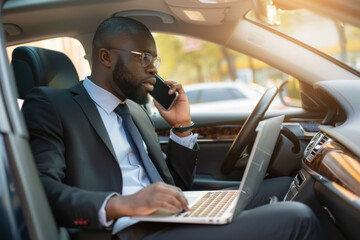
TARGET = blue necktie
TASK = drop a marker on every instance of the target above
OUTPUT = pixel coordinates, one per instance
(136, 143)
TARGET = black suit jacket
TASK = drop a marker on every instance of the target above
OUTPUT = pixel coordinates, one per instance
(76, 159)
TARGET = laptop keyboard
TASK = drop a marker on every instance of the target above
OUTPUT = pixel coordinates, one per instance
(212, 204)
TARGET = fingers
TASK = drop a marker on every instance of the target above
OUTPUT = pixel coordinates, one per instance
(175, 87)
(169, 203)
(146, 201)
(159, 107)
(179, 113)
(170, 197)
(152, 198)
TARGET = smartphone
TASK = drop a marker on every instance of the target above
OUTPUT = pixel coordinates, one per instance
(161, 93)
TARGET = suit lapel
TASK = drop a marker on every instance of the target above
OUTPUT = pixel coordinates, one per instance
(144, 124)
(92, 114)
(141, 120)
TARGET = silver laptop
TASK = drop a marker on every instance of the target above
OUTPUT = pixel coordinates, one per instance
(220, 207)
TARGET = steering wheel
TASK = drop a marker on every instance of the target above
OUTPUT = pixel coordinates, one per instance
(247, 130)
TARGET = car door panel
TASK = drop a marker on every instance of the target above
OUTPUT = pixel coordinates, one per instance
(216, 134)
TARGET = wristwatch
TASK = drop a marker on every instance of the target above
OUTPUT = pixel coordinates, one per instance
(182, 129)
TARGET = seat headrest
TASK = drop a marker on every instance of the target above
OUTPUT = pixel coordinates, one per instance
(35, 66)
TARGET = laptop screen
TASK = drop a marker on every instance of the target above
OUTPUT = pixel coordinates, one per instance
(258, 161)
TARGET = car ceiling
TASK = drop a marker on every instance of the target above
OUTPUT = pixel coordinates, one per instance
(31, 20)
(347, 11)
(76, 18)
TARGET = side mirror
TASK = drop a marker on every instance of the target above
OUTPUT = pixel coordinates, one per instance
(289, 93)
(292, 93)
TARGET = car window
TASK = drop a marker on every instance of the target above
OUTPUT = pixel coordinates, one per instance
(211, 73)
(194, 63)
(236, 94)
(332, 37)
(221, 94)
(67, 45)
(192, 96)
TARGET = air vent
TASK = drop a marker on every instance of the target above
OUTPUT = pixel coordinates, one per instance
(317, 146)
(323, 140)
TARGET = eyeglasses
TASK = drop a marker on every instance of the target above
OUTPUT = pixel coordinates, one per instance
(146, 58)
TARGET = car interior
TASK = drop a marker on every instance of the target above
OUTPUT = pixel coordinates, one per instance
(319, 142)
(42, 67)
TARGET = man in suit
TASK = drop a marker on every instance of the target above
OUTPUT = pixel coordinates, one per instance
(94, 173)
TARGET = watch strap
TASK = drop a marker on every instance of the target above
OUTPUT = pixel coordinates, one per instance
(182, 129)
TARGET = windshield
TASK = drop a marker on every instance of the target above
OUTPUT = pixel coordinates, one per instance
(336, 39)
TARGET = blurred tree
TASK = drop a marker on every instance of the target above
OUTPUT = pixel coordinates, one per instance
(340, 28)
(188, 60)
(230, 62)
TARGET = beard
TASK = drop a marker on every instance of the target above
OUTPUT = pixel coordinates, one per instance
(126, 80)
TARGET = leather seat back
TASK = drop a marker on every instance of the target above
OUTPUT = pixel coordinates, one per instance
(35, 66)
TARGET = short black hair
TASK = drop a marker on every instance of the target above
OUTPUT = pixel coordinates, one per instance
(116, 26)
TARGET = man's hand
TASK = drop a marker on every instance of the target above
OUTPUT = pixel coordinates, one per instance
(146, 201)
(179, 113)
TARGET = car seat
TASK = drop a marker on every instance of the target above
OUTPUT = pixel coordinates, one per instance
(34, 66)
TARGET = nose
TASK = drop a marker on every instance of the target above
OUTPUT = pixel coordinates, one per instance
(151, 69)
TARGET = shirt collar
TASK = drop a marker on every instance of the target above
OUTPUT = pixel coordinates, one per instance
(101, 97)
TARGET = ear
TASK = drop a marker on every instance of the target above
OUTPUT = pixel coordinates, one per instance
(105, 57)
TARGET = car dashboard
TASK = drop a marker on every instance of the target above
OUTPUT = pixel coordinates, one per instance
(331, 162)
(328, 159)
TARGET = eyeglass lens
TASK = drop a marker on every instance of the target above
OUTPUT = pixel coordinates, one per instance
(147, 58)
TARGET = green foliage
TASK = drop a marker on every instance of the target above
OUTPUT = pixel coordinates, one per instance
(188, 64)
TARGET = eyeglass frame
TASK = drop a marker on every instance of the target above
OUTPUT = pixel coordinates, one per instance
(141, 54)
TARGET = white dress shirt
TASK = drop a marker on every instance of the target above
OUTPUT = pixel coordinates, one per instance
(133, 173)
